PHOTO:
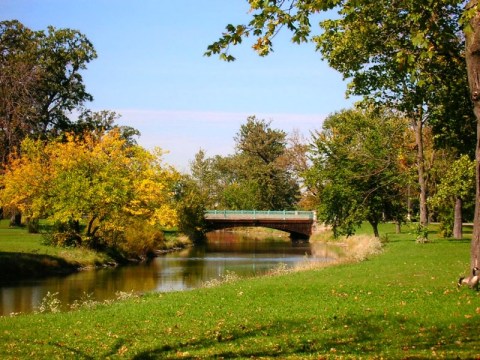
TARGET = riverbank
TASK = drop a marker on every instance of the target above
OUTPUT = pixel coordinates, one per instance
(401, 304)
(23, 255)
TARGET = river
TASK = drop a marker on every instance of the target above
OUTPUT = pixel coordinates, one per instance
(190, 268)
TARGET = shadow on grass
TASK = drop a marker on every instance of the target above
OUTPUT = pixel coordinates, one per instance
(355, 336)
(17, 266)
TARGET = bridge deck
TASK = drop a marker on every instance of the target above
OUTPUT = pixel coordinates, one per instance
(259, 215)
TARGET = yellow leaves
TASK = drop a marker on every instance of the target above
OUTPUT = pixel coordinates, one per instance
(165, 216)
(97, 175)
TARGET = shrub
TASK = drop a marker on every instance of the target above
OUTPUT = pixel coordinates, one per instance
(361, 247)
(50, 304)
(63, 234)
(137, 239)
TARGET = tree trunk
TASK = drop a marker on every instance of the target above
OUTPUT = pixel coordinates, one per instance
(375, 228)
(472, 57)
(457, 222)
(409, 204)
(398, 227)
(421, 170)
(16, 219)
(90, 226)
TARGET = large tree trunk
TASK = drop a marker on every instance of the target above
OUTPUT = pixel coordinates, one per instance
(421, 170)
(472, 57)
(457, 219)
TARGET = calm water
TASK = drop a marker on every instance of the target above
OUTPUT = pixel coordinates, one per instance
(187, 269)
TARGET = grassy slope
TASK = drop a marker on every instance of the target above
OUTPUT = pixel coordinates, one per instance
(401, 304)
(23, 254)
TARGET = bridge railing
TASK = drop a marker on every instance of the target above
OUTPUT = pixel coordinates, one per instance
(259, 214)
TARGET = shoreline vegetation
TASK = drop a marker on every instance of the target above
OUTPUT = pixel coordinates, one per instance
(402, 303)
(25, 255)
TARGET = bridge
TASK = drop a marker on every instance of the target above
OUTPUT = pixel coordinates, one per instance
(298, 223)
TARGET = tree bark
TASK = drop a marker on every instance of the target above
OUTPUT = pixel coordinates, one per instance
(472, 56)
(398, 227)
(458, 222)
(375, 228)
(421, 170)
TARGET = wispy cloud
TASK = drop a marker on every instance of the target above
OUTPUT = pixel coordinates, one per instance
(183, 133)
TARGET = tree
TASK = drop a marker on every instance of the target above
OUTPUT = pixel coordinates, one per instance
(472, 55)
(357, 170)
(89, 122)
(260, 149)
(206, 174)
(255, 177)
(408, 55)
(457, 185)
(98, 179)
(296, 160)
(191, 206)
(40, 81)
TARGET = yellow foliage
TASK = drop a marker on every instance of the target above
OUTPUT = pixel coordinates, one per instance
(97, 177)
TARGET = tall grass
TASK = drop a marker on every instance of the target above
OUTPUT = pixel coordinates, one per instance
(400, 304)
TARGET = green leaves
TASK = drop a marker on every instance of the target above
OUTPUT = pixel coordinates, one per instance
(356, 167)
(233, 36)
(41, 81)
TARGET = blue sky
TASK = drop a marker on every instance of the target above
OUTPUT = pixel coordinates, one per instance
(151, 69)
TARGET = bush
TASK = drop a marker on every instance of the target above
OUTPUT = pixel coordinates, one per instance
(33, 226)
(421, 234)
(446, 226)
(63, 234)
(138, 239)
(362, 247)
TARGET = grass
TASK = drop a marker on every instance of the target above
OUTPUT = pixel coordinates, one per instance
(23, 255)
(402, 304)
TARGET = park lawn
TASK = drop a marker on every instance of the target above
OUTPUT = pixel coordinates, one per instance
(402, 304)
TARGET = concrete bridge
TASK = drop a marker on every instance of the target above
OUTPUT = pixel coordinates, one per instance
(298, 223)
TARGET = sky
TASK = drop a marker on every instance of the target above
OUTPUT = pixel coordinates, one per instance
(151, 69)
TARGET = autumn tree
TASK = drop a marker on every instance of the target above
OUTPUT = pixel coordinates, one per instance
(97, 179)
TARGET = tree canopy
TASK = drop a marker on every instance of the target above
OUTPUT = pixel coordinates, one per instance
(356, 167)
(255, 177)
(407, 55)
(40, 81)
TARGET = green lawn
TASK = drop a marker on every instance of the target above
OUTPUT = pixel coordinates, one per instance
(402, 304)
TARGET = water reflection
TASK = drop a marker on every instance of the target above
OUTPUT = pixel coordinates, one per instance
(189, 268)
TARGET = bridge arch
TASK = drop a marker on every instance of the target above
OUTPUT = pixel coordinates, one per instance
(298, 224)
